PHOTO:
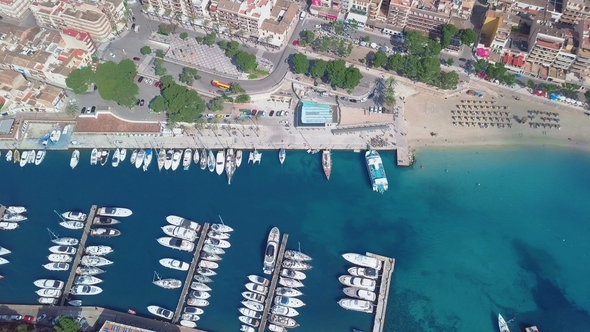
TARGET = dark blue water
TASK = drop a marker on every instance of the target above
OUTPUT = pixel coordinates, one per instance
(474, 233)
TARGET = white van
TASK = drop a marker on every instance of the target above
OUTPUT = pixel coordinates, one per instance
(302, 16)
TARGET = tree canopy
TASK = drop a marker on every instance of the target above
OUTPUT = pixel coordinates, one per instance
(67, 324)
(182, 104)
(300, 63)
(79, 80)
(246, 61)
(241, 99)
(189, 75)
(468, 37)
(184, 36)
(236, 88)
(114, 81)
(379, 59)
(318, 70)
(210, 38)
(146, 50)
(448, 32)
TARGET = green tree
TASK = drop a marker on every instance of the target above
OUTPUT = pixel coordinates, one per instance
(146, 50)
(325, 44)
(216, 105)
(242, 99)
(222, 44)
(569, 89)
(199, 39)
(160, 70)
(367, 39)
(509, 79)
(115, 82)
(301, 63)
(530, 84)
(22, 328)
(353, 78)
(232, 48)
(237, 88)
(160, 53)
(349, 49)
(210, 38)
(181, 104)
(79, 80)
(318, 70)
(67, 324)
(337, 72)
(309, 36)
(450, 62)
(159, 104)
(549, 87)
(396, 62)
(184, 36)
(449, 80)
(468, 37)
(379, 59)
(429, 70)
(166, 29)
(354, 24)
(497, 71)
(186, 79)
(480, 66)
(412, 66)
(448, 31)
(246, 61)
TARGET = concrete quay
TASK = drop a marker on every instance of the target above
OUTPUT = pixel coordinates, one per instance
(273, 283)
(382, 297)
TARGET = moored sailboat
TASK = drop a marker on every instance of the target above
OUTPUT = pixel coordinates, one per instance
(196, 157)
(94, 157)
(203, 159)
(139, 158)
(147, 160)
(176, 157)
(327, 163)
(75, 159)
(161, 159)
(186, 160)
(219, 162)
(211, 161)
(238, 158)
(282, 155)
(115, 160)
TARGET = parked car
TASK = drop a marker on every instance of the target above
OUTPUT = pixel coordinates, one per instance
(284, 122)
(16, 317)
(271, 113)
(352, 100)
(295, 42)
(254, 112)
(136, 58)
(83, 110)
(140, 79)
(29, 319)
(141, 102)
(279, 113)
(4, 317)
(92, 109)
(262, 113)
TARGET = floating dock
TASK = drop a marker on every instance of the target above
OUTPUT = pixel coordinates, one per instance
(79, 254)
(388, 264)
(273, 283)
(189, 276)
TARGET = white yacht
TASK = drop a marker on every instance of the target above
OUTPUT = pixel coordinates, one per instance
(105, 221)
(219, 162)
(71, 224)
(74, 215)
(57, 266)
(87, 280)
(196, 156)
(249, 321)
(75, 303)
(197, 302)
(250, 313)
(270, 254)
(250, 157)
(217, 243)
(180, 232)
(187, 323)
(288, 301)
(259, 280)
(98, 250)
(195, 285)
(59, 258)
(203, 159)
(193, 310)
(288, 282)
(246, 328)
(75, 159)
(364, 272)
(168, 160)
(113, 212)
(363, 260)
(253, 305)
(9, 156)
(288, 292)
(282, 155)
(276, 328)
(32, 156)
(209, 256)
(55, 135)
(88, 270)
(104, 156)
(190, 317)
(139, 158)
(256, 288)
(208, 265)
(168, 283)
(160, 312)
(23, 158)
(40, 156)
(216, 235)
(221, 228)
(182, 222)
(174, 264)
(116, 158)
(86, 290)
(176, 158)
(133, 157)
(292, 274)
(95, 261)
(238, 158)
(360, 293)
(257, 157)
(199, 295)
(295, 265)
(368, 284)
(230, 167)
(176, 243)
(4, 251)
(161, 159)
(211, 161)
(254, 297)
(187, 159)
(8, 226)
(122, 154)
(104, 232)
(296, 255)
(66, 241)
(49, 292)
(49, 283)
(278, 320)
(13, 217)
(94, 157)
(147, 160)
(284, 311)
(3, 261)
(202, 278)
(47, 300)
(213, 249)
(206, 272)
(66, 250)
(356, 305)
(16, 209)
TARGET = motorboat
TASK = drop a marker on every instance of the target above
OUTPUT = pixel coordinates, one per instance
(221, 228)
(364, 272)
(176, 243)
(230, 167)
(104, 156)
(122, 154)
(115, 160)
(105, 232)
(98, 250)
(160, 312)
(270, 254)
(205, 272)
(210, 257)
(502, 324)
(190, 317)
(288, 282)
(4, 251)
(95, 261)
(195, 285)
(105, 221)
(246, 328)
(176, 159)
(203, 159)
(276, 328)
(238, 158)
(282, 155)
(362, 260)
(288, 301)
(213, 249)
(368, 284)
(249, 321)
(3, 261)
(250, 313)
(66, 241)
(293, 274)
(201, 278)
(16, 156)
(168, 283)
(217, 243)
(23, 159)
(219, 236)
(87, 280)
(531, 329)
(49, 292)
(282, 321)
(174, 264)
(86, 290)
(193, 310)
(257, 288)
(219, 162)
(284, 311)
(161, 159)
(182, 222)
(32, 156)
(295, 265)
(55, 135)
(49, 283)
(47, 300)
(288, 292)
(40, 156)
(187, 159)
(113, 212)
(208, 265)
(376, 173)
(252, 305)
(88, 270)
(16, 210)
(259, 280)
(196, 156)
(168, 159)
(197, 302)
(356, 305)
(133, 157)
(254, 297)
(57, 266)
(71, 224)
(74, 215)
(327, 163)
(147, 159)
(139, 158)
(211, 161)
(75, 303)
(296, 255)
(359, 293)
(13, 217)
(9, 156)
(180, 232)
(8, 226)
(74, 159)
(59, 258)
(187, 323)
(199, 295)
(66, 250)
(94, 157)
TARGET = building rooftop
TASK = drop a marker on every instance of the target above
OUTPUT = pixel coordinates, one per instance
(281, 17)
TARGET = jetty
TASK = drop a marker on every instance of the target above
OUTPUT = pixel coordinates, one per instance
(388, 264)
(273, 283)
(2, 210)
(189, 276)
(79, 254)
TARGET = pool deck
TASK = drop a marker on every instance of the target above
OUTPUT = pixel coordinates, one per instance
(273, 283)
(381, 310)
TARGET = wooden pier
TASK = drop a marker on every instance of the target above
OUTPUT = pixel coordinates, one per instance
(387, 271)
(273, 283)
(79, 254)
(189, 276)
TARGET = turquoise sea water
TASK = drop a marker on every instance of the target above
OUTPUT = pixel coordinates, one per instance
(474, 233)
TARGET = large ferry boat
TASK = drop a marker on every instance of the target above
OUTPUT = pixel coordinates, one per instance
(376, 171)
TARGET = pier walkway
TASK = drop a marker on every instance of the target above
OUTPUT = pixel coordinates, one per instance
(189, 276)
(78, 256)
(388, 264)
(2, 210)
(273, 283)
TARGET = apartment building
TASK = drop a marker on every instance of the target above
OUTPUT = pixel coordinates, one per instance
(17, 9)
(574, 11)
(276, 29)
(246, 16)
(550, 51)
(182, 10)
(328, 9)
(78, 39)
(581, 66)
(20, 95)
(533, 7)
(424, 16)
(103, 20)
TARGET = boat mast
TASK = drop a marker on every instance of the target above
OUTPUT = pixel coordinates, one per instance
(221, 220)
(60, 216)
(52, 234)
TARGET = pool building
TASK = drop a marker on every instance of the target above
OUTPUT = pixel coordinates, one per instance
(311, 114)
